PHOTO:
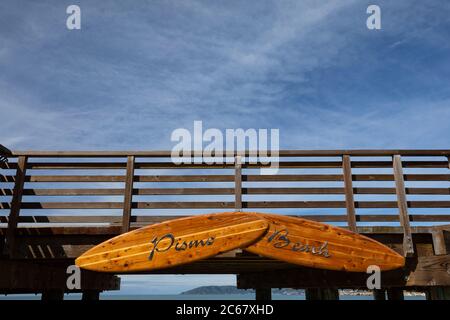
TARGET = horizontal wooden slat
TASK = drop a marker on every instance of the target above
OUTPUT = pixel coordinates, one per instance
(223, 191)
(212, 204)
(171, 165)
(184, 191)
(418, 191)
(75, 165)
(184, 205)
(76, 178)
(293, 204)
(287, 191)
(229, 178)
(186, 178)
(408, 177)
(324, 190)
(72, 205)
(156, 219)
(73, 192)
(5, 205)
(6, 192)
(4, 178)
(293, 177)
(341, 204)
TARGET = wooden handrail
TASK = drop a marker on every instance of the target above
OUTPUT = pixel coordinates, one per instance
(282, 153)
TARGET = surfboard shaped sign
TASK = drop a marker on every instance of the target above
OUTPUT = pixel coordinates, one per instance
(318, 245)
(174, 242)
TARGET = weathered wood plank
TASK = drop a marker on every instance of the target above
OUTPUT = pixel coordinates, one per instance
(154, 219)
(184, 205)
(403, 206)
(16, 204)
(184, 191)
(439, 242)
(230, 178)
(221, 191)
(128, 199)
(238, 184)
(186, 178)
(75, 178)
(216, 204)
(74, 192)
(349, 199)
(72, 205)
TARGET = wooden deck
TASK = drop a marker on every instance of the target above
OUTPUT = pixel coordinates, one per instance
(55, 205)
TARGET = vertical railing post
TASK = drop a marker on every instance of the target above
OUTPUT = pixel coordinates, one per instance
(349, 198)
(238, 183)
(408, 248)
(128, 196)
(16, 204)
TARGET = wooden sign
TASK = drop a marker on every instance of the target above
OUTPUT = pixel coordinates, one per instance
(317, 245)
(174, 242)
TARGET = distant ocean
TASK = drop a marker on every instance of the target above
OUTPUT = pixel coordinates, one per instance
(191, 297)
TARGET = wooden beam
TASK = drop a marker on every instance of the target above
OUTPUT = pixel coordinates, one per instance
(439, 246)
(349, 199)
(438, 293)
(16, 204)
(238, 183)
(128, 198)
(408, 247)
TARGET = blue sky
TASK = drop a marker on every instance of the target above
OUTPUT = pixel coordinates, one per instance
(138, 70)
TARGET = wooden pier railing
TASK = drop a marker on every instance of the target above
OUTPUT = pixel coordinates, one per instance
(76, 199)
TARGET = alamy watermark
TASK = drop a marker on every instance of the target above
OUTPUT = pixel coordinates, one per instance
(213, 146)
(373, 22)
(73, 281)
(374, 280)
(73, 21)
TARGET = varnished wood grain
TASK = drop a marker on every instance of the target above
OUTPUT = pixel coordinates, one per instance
(174, 243)
(345, 250)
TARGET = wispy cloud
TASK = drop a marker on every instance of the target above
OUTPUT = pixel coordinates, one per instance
(134, 73)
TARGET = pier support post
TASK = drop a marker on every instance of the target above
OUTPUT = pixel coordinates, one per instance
(321, 294)
(379, 294)
(438, 293)
(90, 295)
(52, 295)
(263, 294)
(395, 294)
